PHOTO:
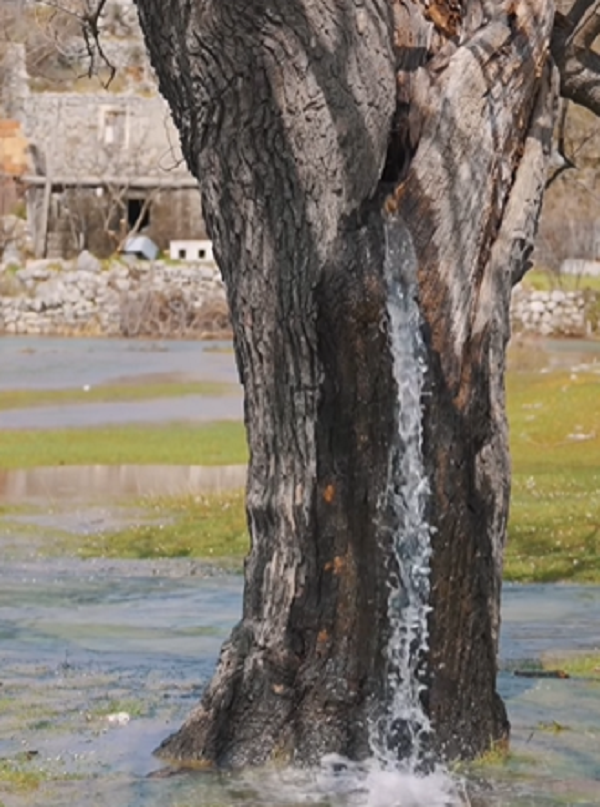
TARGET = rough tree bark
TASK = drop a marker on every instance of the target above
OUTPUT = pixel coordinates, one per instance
(309, 122)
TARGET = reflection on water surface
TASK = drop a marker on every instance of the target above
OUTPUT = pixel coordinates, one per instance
(91, 483)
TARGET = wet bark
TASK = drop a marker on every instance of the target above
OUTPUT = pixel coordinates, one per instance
(307, 122)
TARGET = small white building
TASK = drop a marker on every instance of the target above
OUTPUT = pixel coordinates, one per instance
(191, 251)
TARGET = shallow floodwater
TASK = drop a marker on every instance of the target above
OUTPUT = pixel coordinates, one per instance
(48, 362)
(34, 362)
(53, 362)
(102, 659)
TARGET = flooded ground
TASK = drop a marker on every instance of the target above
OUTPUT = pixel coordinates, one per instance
(38, 362)
(53, 362)
(530, 353)
(101, 660)
(191, 408)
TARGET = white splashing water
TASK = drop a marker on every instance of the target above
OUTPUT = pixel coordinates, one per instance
(338, 782)
(402, 729)
(401, 772)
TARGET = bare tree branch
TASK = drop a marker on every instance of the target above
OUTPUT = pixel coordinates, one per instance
(586, 23)
(564, 162)
(573, 36)
(89, 16)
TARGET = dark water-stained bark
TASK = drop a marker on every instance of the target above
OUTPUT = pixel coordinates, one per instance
(307, 122)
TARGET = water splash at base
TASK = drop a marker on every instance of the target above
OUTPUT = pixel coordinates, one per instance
(338, 782)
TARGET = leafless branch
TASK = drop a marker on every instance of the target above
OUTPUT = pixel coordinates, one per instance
(89, 16)
(91, 35)
(566, 162)
(573, 36)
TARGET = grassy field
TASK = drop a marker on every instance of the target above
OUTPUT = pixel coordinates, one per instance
(554, 529)
(221, 443)
(576, 665)
(109, 393)
(212, 527)
(542, 280)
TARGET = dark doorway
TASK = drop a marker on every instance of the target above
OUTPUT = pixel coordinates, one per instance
(135, 207)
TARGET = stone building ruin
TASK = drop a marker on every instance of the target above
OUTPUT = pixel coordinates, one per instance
(102, 164)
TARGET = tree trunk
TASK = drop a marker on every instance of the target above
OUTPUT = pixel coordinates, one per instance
(340, 146)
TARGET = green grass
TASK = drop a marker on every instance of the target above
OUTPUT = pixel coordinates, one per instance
(212, 527)
(544, 280)
(134, 708)
(108, 393)
(23, 775)
(221, 443)
(577, 665)
(554, 528)
(19, 777)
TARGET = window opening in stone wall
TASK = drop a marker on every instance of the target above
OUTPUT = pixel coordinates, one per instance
(114, 127)
(202, 254)
(135, 209)
(182, 254)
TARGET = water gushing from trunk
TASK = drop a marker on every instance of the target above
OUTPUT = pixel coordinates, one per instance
(401, 729)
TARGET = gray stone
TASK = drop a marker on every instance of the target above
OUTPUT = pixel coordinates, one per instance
(11, 255)
(86, 262)
(122, 284)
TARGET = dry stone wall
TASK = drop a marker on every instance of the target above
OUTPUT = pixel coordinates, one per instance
(135, 298)
(162, 298)
(556, 312)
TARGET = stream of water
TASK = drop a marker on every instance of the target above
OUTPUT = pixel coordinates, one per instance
(403, 730)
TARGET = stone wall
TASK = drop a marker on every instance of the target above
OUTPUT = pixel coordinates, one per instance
(556, 312)
(103, 134)
(162, 298)
(95, 157)
(135, 298)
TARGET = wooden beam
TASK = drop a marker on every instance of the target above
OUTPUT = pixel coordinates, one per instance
(107, 181)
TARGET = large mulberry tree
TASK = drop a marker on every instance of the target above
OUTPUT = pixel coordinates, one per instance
(311, 126)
